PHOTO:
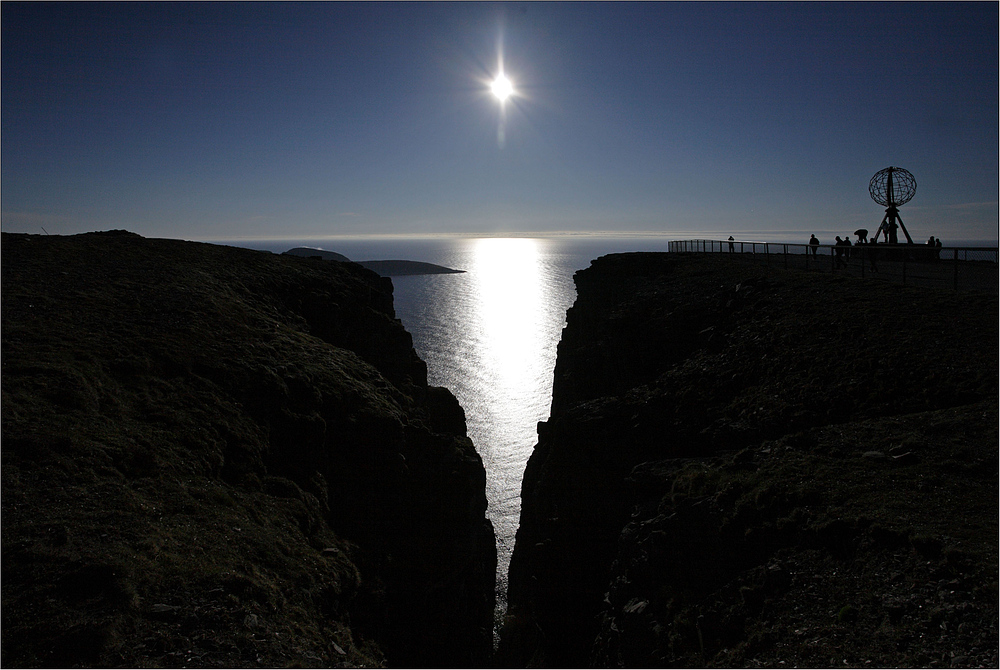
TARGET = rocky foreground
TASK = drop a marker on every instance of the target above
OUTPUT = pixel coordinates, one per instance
(217, 457)
(748, 467)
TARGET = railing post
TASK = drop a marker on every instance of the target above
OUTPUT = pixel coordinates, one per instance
(785, 254)
(955, 284)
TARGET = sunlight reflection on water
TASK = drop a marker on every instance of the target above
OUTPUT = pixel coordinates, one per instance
(508, 286)
(490, 336)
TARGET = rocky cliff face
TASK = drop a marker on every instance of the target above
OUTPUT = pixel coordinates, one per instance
(219, 457)
(747, 466)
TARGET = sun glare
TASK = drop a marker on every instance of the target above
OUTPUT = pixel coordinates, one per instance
(502, 88)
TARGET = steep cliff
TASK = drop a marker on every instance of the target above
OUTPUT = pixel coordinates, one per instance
(746, 466)
(220, 457)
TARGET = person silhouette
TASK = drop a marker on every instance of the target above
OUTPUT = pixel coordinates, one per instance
(872, 253)
(862, 234)
(839, 251)
(813, 244)
(731, 240)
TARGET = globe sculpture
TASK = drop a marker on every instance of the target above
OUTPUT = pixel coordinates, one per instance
(891, 188)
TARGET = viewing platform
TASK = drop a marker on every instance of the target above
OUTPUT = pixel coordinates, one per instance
(956, 268)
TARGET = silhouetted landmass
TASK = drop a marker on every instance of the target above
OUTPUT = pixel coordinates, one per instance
(751, 467)
(400, 268)
(382, 268)
(219, 457)
(322, 254)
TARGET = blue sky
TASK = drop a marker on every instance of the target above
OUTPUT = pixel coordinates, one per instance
(233, 120)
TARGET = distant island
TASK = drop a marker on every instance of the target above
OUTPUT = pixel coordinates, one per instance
(318, 253)
(384, 268)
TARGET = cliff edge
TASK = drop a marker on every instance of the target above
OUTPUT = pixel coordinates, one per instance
(219, 457)
(750, 467)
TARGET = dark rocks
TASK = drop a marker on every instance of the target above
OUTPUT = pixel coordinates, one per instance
(215, 456)
(725, 481)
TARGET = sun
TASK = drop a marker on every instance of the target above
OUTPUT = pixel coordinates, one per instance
(502, 88)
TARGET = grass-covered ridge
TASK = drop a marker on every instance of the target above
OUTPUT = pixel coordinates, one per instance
(753, 467)
(220, 457)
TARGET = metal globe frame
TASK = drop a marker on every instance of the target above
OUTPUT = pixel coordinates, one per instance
(892, 187)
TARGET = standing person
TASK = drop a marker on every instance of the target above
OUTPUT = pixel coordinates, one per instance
(872, 265)
(731, 240)
(847, 247)
(813, 244)
(839, 251)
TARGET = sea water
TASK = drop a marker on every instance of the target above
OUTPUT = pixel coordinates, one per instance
(489, 335)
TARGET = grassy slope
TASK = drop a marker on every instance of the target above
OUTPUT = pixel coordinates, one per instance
(179, 445)
(737, 454)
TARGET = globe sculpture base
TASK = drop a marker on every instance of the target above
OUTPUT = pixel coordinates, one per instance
(890, 223)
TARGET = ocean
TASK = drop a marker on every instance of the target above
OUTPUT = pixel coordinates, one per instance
(489, 335)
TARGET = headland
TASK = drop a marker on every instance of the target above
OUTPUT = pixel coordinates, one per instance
(752, 467)
(220, 457)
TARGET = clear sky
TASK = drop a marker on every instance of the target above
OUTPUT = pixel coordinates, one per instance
(232, 120)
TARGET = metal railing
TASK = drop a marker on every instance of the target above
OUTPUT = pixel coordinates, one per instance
(958, 268)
